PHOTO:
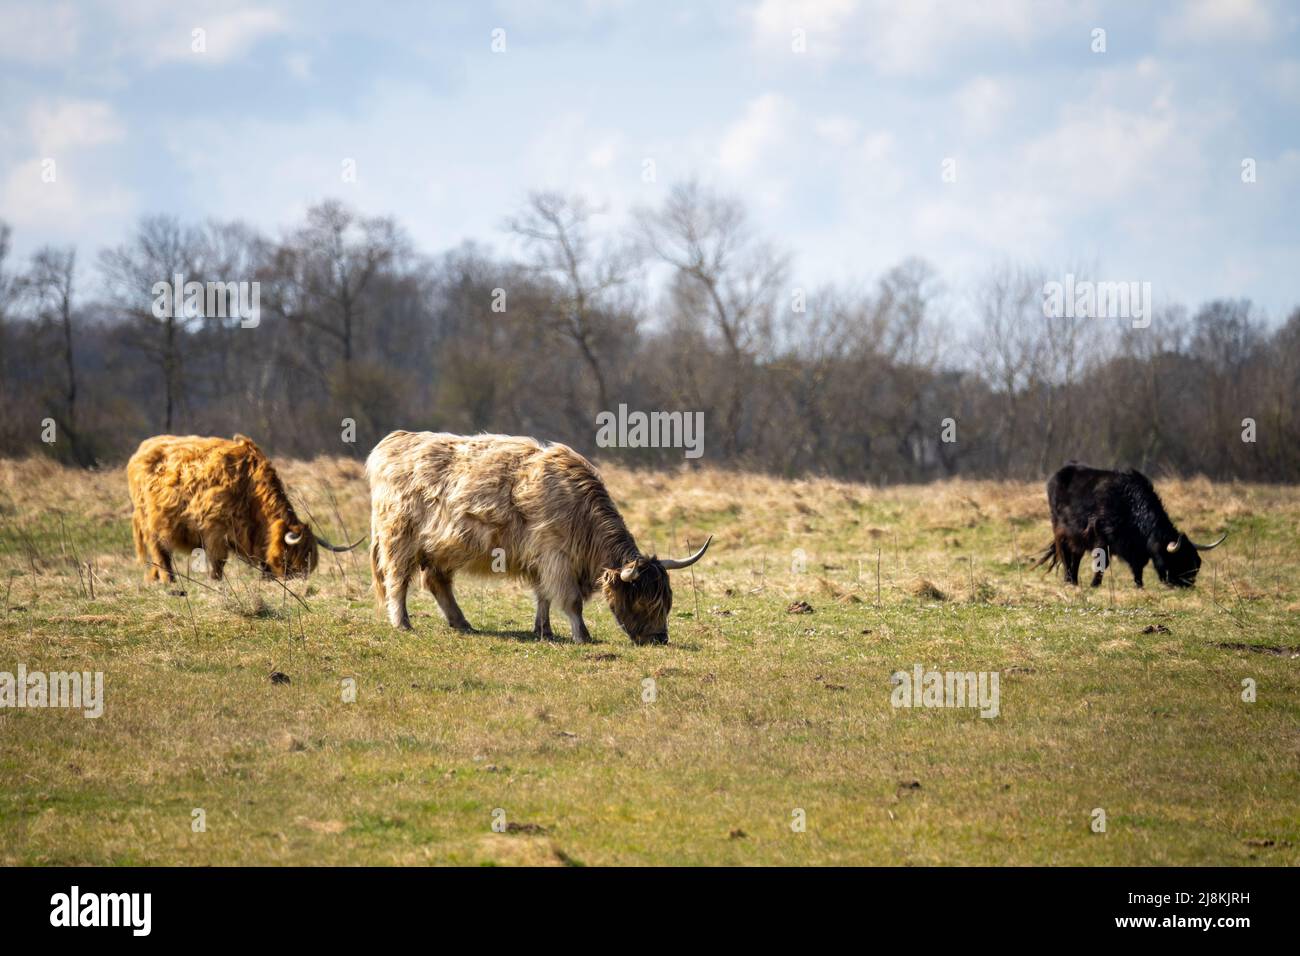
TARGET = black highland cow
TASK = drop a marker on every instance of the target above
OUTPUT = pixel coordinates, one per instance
(1119, 512)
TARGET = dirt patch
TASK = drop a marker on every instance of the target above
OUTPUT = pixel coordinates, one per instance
(1273, 649)
(531, 828)
(322, 826)
(927, 590)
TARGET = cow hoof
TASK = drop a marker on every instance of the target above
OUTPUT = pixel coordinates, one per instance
(464, 628)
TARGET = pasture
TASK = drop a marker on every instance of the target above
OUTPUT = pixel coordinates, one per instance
(701, 752)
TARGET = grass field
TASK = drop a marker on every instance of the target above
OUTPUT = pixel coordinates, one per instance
(1115, 699)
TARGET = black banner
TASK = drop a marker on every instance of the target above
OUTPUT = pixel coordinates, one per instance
(219, 905)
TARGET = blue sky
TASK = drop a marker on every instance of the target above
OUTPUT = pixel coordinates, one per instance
(1126, 162)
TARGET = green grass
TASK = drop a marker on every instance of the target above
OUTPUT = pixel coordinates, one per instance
(759, 712)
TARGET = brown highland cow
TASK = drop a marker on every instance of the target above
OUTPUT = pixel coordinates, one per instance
(219, 495)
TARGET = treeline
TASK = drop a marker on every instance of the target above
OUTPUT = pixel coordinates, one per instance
(689, 310)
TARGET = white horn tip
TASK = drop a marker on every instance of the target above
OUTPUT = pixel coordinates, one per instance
(291, 538)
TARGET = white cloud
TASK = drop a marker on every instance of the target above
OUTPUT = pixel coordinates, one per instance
(299, 66)
(911, 38)
(767, 122)
(603, 155)
(72, 139)
(774, 23)
(159, 31)
(38, 33)
(268, 172)
(877, 146)
(983, 102)
(1107, 154)
(79, 201)
(1216, 20)
(838, 131)
(69, 124)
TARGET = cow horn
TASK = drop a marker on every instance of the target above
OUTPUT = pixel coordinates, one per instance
(336, 548)
(629, 573)
(291, 538)
(671, 564)
(1172, 546)
(1209, 547)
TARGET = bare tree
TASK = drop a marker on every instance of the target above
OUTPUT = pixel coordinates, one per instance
(1007, 349)
(8, 291)
(911, 336)
(50, 283)
(723, 271)
(333, 260)
(557, 230)
(160, 250)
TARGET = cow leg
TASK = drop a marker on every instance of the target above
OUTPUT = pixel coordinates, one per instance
(376, 575)
(161, 562)
(1137, 574)
(1098, 572)
(396, 579)
(1063, 558)
(542, 622)
(1072, 559)
(216, 553)
(395, 584)
(439, 585)
(573, 611)
(392, 565)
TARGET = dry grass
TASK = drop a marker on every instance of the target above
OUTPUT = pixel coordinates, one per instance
(757, 711)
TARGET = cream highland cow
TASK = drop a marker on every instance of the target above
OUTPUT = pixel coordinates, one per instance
(443, 503)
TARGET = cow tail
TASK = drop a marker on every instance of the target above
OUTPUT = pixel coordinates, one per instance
(1048, 555)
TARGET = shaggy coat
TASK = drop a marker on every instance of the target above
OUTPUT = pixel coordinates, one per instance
(223, 496)
(487, 504)
(1120, 513)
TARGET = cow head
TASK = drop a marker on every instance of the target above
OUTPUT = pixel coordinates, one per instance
(290, 550)
(1180, 561)
(293, 549)
(641, 597)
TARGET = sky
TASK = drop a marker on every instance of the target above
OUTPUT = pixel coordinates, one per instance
(858, 132)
